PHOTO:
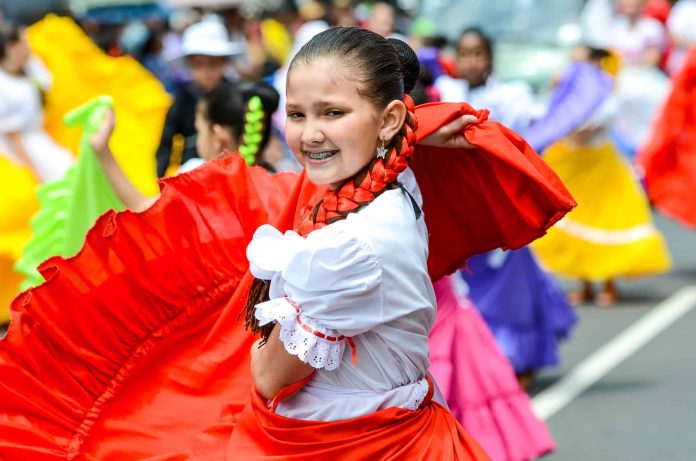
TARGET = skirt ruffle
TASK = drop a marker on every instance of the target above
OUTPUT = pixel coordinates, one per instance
(611, 232)
(523, 306)
(430, 432)
(134, 304)
(480, 385)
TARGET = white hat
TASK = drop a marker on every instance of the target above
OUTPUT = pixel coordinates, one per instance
(209, 38)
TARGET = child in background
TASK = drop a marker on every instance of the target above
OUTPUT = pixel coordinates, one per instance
(611, 233)
(523, 306)
(220, 123)
(22, 136)
(510, 103)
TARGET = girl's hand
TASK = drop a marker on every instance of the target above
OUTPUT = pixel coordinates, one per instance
(451, 136)
(100, 139)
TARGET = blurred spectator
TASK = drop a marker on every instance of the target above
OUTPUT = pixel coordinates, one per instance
(206, 48)
(382, 19)
(511, 103)
(22, 136)
(682, 29)
(341, 13)
(639, 39)
(145, 43)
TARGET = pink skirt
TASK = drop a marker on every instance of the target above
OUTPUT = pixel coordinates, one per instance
(478, 382)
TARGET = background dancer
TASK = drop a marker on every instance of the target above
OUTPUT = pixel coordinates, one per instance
(524, 307)
(610, 235)
(221, 118)
(22, 136)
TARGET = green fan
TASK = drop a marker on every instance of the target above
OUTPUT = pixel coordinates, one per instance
(69, 206)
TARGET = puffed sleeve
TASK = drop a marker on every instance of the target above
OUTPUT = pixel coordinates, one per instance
(325, 289)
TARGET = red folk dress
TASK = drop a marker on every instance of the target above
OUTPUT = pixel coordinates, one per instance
(133, 348)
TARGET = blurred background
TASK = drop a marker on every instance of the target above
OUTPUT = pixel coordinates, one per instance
(601, 88)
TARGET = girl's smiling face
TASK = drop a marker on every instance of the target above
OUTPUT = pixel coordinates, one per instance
(331, 128)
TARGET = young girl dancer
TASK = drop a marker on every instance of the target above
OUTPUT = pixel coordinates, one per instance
(611, 234)
(165, 303)
(351, 305)
(22, 136)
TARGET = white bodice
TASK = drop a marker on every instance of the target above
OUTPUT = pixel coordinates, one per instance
(364, 277)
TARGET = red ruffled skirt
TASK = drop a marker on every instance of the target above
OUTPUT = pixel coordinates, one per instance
(133, 348)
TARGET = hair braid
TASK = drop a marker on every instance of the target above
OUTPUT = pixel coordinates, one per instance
(351, 196)
(254, 126)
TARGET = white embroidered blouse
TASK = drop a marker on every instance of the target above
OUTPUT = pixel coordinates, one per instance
(363, 278)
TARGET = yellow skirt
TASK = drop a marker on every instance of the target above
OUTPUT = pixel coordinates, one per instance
(17, 208)
(81, 71)
(610, 233)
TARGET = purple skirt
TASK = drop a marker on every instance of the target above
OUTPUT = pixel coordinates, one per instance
(524, 307)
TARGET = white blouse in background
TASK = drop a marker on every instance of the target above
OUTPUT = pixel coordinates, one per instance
(510, 103)
(631, 40)
(21, 112)
(363, 277)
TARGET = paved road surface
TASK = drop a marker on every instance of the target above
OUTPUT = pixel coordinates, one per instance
(644, 409)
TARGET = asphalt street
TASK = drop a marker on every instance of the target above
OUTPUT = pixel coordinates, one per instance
(643, 408)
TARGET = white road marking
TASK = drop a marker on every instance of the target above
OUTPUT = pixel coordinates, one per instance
(593, 368)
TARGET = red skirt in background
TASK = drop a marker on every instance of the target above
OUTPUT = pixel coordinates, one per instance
(668, 158)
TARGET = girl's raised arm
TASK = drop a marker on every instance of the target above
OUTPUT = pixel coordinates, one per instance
(131, 197)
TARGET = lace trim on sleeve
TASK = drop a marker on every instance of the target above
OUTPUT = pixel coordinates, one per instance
(318, 347)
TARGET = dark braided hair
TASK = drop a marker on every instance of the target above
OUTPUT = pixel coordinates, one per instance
(226, 105)
(387, 70)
